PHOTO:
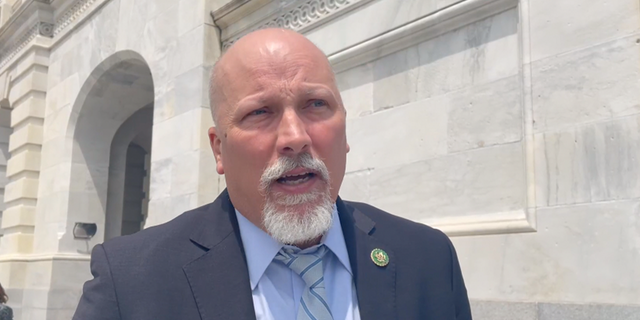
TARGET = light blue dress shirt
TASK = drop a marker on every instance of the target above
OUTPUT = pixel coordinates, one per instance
(276, 289)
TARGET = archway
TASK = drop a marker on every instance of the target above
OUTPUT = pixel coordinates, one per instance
(112, 139)
(128, 189)
(5, 133)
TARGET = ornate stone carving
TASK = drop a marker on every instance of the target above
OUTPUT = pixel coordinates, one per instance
(11, 51)
(71, 15)
(45, 29)
(300, 17)
(39, 29)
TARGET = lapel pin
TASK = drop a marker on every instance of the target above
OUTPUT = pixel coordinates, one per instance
(379, 257)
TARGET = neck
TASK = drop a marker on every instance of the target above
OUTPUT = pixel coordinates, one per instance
(307, 244)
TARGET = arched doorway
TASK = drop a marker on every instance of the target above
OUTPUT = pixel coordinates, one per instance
(112, 144)
(128, 189)
(5, 132)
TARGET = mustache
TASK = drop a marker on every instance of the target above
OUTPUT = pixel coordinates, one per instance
(286, 164)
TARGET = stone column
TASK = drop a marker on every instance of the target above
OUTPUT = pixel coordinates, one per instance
(28, 84)
(27, 99)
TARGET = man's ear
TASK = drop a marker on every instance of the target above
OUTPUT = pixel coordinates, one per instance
(216, 146)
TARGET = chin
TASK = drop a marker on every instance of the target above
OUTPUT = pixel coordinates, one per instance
(299, 218)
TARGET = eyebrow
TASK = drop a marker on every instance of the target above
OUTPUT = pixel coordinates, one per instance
(318, 88)
(253, 98)
(307, 90)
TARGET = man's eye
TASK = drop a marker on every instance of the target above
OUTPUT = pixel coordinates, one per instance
(318, 103)
(258, 112)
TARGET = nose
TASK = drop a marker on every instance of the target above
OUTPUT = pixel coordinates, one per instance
(293, 137)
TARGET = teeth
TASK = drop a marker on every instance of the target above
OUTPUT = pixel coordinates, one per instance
(295, 175)
(295, 182)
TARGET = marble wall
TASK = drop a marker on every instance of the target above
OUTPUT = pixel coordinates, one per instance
(437, 115)
(585, 99)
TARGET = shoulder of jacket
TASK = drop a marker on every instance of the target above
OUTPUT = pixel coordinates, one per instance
(180, 226)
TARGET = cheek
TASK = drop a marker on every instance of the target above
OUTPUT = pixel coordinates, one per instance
(246, 156)
(331, 133)
(332, 147)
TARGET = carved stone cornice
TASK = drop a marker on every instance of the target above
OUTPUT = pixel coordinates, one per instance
(41, 28)
(301, 16)
(75, 11)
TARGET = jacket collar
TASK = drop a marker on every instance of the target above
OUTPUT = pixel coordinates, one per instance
(219, 279)
(375, 286)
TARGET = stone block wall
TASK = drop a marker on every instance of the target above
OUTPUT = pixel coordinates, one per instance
(585, 99)
(439, 132)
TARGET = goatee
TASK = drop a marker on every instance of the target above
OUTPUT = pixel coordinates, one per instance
(299, 218)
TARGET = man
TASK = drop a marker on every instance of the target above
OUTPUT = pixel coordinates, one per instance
(278, 243)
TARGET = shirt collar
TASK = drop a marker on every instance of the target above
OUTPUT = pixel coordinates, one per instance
(260, 248)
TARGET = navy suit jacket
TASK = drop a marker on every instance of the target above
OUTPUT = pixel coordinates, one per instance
(194, 267)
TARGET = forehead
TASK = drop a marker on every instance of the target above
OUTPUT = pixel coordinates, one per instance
(257, 72)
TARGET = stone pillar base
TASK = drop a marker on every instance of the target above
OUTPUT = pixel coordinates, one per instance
(44, 287)
(13, 274)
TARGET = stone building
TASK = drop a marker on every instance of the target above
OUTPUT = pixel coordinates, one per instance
(512, 125)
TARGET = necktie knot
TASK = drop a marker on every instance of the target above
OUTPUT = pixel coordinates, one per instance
(308, 265)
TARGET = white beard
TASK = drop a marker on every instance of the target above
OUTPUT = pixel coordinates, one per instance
(296, 219)
(289, 226)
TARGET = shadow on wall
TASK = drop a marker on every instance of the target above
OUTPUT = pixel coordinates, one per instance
(5, 132)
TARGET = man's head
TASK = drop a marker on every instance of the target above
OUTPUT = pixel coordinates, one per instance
(280, 135)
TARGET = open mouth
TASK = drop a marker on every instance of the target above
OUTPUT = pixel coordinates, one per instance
(294, 179)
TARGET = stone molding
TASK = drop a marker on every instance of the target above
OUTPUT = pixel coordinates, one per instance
(302, 16)
(45, 257)
(428, 27)
(75, 11)
(45, 29)
(486, 224)
(39, 29)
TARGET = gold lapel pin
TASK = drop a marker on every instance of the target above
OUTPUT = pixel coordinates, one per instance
(379, 257)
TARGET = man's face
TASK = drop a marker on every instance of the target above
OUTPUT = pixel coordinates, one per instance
(278, 107)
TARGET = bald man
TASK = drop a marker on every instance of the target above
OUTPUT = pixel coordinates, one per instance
(278, 243)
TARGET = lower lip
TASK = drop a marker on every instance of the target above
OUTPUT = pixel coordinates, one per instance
(296, 188)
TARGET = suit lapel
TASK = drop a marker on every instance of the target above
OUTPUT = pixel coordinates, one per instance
(219, 279)
(375, 286)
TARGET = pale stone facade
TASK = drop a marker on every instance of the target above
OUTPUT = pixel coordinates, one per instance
(512, 125)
